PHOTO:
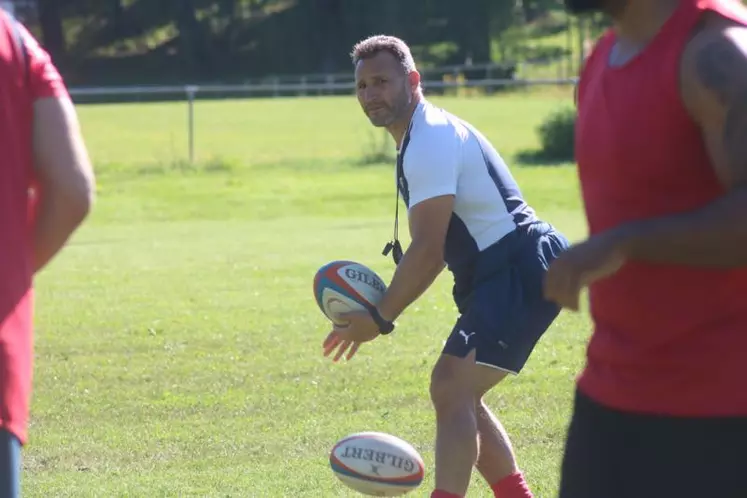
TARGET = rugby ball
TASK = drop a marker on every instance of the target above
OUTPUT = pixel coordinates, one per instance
(377, 464)
(342, 286)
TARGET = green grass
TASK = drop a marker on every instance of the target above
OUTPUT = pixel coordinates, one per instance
(178, 345)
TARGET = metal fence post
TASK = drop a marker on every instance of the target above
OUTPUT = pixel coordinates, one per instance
(191, 92)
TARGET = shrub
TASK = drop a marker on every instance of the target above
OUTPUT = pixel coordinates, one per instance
(557, 134)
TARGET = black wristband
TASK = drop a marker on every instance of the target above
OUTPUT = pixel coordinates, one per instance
(385, 327)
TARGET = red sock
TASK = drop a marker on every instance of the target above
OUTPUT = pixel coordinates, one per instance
(443, 494)
(513, 486)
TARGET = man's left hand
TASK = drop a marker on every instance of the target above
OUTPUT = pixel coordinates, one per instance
(581, 265)
(359, 327)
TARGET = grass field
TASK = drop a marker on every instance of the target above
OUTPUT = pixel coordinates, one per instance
(178, 342)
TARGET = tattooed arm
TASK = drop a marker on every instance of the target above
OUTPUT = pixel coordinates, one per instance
(717, 98)
(714, 89)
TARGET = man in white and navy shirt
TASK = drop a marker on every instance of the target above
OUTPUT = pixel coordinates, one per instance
(465, 210)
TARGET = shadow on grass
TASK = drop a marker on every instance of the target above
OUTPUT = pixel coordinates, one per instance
(211, 165)
(377, 150)
(376, 159)
(214, 165)
(538, 157)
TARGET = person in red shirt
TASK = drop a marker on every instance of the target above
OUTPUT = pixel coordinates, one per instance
(46, 191)
(661, 146)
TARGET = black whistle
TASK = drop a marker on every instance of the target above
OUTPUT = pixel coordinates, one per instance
(395, 248)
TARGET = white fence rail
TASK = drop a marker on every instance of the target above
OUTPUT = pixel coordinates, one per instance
(300, 88)
(277, 88)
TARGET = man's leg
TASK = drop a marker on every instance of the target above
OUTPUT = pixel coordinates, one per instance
(519, 327)
(10, 465)
(497, 332)
(496, 460)
(597, 456)
(616, 454)
(457, 385)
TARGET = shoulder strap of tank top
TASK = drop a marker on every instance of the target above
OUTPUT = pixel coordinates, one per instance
(731, 9)
(690, 11)
(602, 44)
(20, 44)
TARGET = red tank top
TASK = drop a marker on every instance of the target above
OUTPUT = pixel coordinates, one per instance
(667, 339)
(26, 75)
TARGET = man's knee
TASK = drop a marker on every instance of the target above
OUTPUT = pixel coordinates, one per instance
(451, 385)
(460, 381)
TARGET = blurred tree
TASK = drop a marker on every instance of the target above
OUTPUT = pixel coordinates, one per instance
(223, 39)
(118, 18)
(50, 20)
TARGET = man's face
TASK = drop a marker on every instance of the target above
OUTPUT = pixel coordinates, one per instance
(584, 6)
(383, 88)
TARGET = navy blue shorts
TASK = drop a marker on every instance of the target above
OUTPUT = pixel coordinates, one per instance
(10, 465)
(615, 454)
(504, 313)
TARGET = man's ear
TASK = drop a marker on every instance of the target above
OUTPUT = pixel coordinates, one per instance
(414, 79)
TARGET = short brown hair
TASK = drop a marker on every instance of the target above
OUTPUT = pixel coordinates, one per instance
(372, 45)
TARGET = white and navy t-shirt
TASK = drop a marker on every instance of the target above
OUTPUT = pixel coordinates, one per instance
(442, 154)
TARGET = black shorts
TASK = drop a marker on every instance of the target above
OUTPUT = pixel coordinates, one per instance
(505, 313)
(612, 454)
